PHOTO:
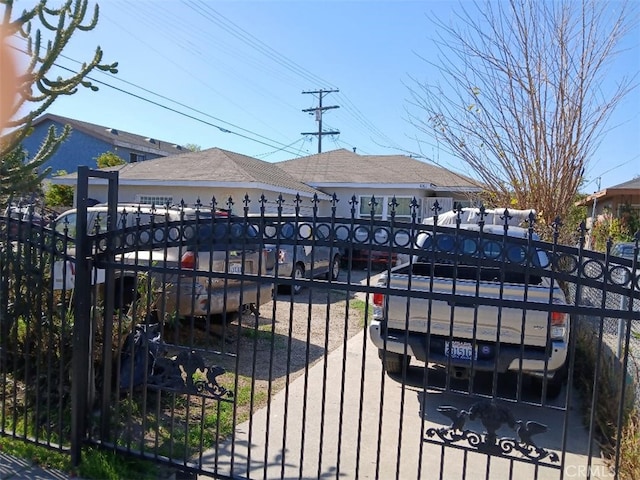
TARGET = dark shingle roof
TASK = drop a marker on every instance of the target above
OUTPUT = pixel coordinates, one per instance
(212, 165)
(344, 166)
(114, 136)
(633, 183)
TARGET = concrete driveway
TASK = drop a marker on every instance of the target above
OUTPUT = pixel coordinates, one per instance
(346, 419)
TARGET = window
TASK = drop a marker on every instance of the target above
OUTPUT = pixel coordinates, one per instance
(403, 208)
(67, 224)
(626, 209)
(136, 157)
(154, 199)
(382, 210)
(365, 208)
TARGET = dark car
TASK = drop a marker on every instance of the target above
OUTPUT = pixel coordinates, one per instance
(23, 220)
(301, 251)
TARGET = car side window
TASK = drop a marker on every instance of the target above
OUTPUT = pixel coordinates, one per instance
(67, 224)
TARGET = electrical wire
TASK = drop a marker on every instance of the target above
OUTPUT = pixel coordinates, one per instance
(139, 97)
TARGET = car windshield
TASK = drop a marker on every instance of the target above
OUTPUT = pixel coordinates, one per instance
(223, 234)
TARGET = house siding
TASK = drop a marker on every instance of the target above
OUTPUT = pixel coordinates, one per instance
(78, 149)
(131, 194)
(383, 196)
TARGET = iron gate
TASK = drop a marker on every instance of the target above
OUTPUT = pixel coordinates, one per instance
(205, 342)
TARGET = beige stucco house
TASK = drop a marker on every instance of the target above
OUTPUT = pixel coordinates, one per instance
(313, 180)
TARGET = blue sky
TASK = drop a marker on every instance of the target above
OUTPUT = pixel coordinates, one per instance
(241, 67)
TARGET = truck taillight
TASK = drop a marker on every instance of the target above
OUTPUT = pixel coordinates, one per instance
(558, 325)
(378, 299)
(188, 261)
(558, 318)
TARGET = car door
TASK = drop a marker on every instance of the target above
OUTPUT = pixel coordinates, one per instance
(320, 254)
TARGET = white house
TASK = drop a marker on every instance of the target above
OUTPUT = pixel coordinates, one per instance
(215, 173)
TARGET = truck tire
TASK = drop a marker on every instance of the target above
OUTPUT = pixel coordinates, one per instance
(554, 384)
(298, 273)
(393, 362)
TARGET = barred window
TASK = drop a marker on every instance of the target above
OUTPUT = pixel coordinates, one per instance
(382, 210)
(154, 199)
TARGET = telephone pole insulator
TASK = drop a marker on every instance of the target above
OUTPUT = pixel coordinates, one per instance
(318, 111)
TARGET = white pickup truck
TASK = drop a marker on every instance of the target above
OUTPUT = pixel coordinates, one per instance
(479, 300)
(207, 250)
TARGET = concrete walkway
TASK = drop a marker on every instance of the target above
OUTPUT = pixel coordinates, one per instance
(12, 468)
(359, 423)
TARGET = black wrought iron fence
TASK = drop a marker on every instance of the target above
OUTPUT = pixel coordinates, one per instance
(244, 345)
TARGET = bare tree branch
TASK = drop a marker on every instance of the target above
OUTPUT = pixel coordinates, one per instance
(521, 99)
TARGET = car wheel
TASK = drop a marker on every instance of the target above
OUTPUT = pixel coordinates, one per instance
(224, 318)
(393, 363)
(298, 273)
(334, 270)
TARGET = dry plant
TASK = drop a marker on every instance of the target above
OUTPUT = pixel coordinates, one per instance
(609, 431)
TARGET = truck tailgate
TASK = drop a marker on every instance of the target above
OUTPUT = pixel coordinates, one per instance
(461, 319)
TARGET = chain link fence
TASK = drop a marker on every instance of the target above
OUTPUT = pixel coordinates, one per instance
(612, 334)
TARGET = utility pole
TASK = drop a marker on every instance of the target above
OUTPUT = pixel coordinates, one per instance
(318, 112)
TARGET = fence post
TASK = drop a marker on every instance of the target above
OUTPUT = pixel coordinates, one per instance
(82, 361)
(81, 323)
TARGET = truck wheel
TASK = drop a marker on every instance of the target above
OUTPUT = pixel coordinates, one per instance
(554, 384)
(298, 273)
(394, 362)
(124, 293)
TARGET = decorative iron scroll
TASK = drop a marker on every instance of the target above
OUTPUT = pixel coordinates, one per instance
(143, 361)
(168, 375)
(492, 417)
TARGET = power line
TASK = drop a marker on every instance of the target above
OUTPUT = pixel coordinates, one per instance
(222, 129)
(599, 177)
(279, 145)
(177, 103)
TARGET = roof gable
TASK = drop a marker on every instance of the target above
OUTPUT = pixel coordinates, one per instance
(344, 166)
(212, 165)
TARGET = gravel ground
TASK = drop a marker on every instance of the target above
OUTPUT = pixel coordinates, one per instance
(290, 334)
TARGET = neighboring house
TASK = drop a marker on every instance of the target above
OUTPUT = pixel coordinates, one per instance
(350, 175)
(87, 141)
(218, 173)
(186, 176)
(613, 200)
(200, 176)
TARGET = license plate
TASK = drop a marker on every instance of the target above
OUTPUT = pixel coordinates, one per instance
(459, 350)
(235, 268)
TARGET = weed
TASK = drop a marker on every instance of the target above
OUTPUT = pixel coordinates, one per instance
(607, 403)
(630, 448)
(97, 464)
(365, 310)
